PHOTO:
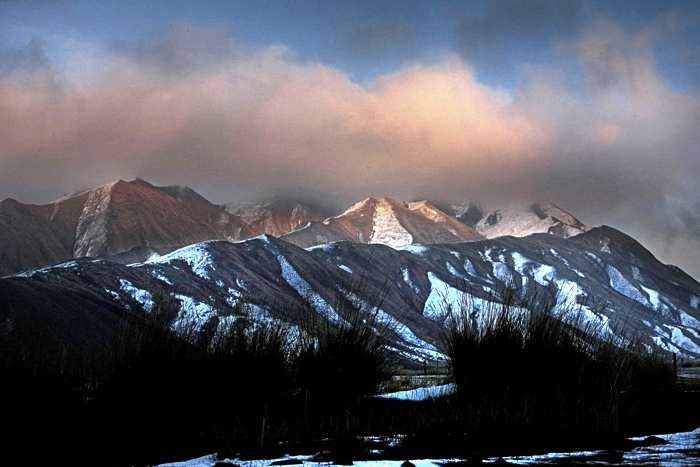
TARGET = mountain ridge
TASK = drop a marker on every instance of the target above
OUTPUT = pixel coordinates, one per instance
(120, 216)
(411, 287)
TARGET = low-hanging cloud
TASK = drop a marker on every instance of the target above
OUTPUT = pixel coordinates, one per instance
(613, 145)
(265, 118)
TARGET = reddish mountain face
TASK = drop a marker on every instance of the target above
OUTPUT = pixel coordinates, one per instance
(120, 216)
(273, 218)
(459, 229)
(109, 220)
(386, 221)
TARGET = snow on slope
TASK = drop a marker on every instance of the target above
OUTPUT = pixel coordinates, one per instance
(91, 232)
(293, 278)
(386, 228)
(196, 256)
(522, 219)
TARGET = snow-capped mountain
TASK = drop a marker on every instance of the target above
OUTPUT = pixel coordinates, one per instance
(429, 210)
(110, 219)
(518, 220)
(386, 221)
(274, 217)
(122, 216)
(602, 277)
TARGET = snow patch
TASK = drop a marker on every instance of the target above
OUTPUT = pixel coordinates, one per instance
(325, 247)
(114, 294)
(597, 260)
(196, 256)
(654, 298)
(142, 296)
(519, 261)
(409, 282)
(445, 299)
(559, 257)
(469, 267)
(623, 286)
(416, 344)
(293, 278)
(418, 250)
(161, 277)
(682, 341)
(31, 273)
(543, 274)
(192, 312)
(636, 274)
(454, 272)
(422, 394)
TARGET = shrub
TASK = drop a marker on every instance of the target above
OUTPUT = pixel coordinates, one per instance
(339, 363)
(525, 370)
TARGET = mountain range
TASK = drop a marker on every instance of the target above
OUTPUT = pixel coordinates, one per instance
(119, 217)
(122, 245)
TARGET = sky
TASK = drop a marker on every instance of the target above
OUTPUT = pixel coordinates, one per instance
(591, 105)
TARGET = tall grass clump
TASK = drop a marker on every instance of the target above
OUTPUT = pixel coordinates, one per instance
(203, 387)
(339, 362)
(38, 377)
(526, 369)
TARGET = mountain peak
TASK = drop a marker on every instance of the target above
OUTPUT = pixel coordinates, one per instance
(275, 217)
(522, 218)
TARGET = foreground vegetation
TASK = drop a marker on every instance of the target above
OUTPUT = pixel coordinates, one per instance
(154, 392)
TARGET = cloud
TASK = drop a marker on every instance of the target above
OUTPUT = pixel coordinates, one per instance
(625, 140)
(606, 134)
(602, 133)
(265, 118)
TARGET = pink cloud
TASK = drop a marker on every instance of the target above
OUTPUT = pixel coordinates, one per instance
(606, 134)
(267, 119)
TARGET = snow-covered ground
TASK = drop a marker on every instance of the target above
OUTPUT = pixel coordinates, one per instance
(682, 449)
(421, 394)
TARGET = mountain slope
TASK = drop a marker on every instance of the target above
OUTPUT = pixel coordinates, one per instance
(274, 217)
(519, 220)
(622, 292)
(457, 228)
(107, 220)
(316, 233)
(31, 237)
(386, 221)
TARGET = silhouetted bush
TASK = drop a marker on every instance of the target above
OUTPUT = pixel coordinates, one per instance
(525, 370)
(339, 362)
